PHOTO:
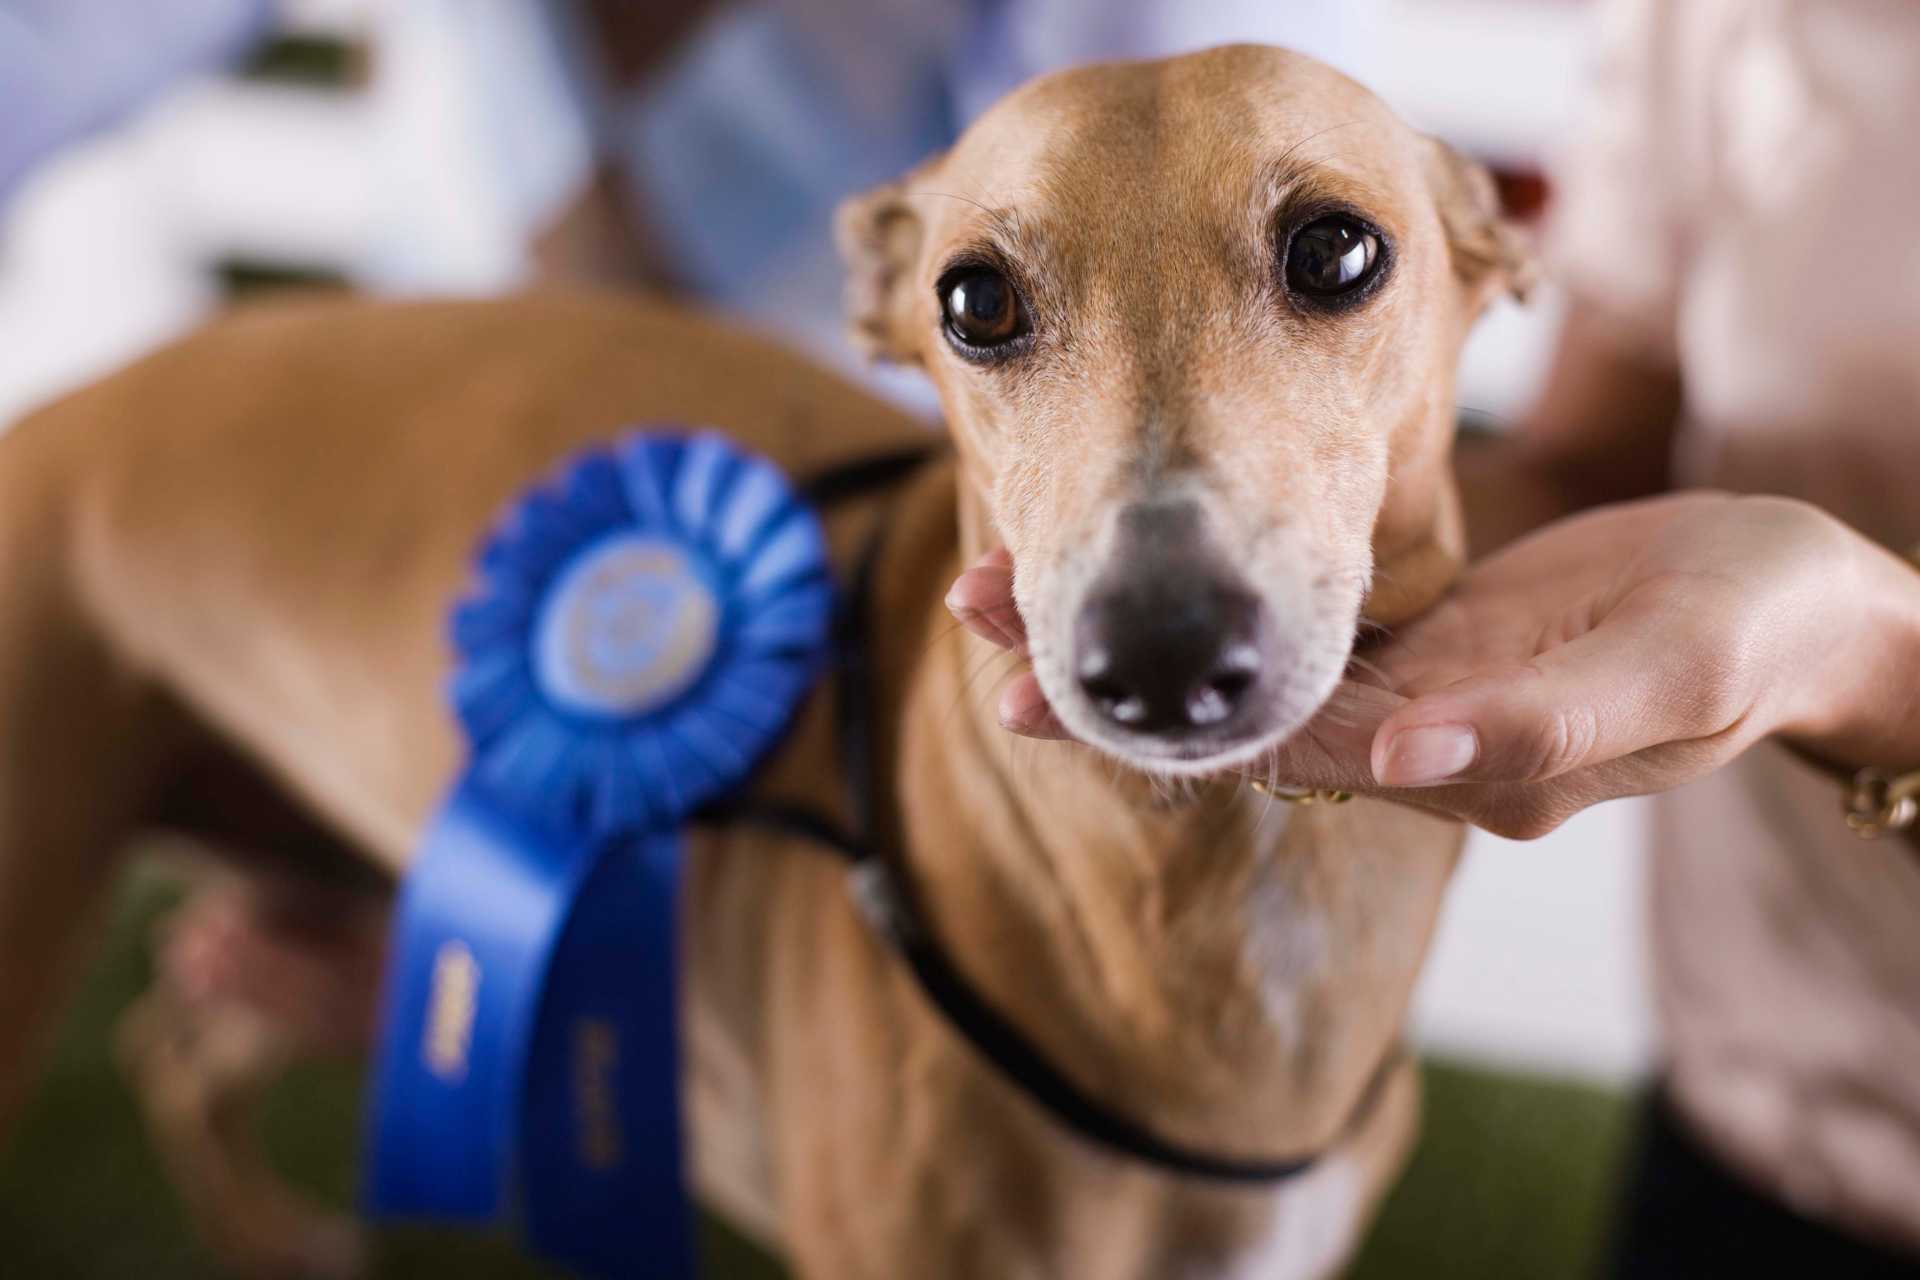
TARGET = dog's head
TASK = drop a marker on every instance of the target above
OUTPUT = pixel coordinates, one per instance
(1194, 324)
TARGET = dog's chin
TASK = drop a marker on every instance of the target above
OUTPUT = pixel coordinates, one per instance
(1193, 758)
(1247, 738)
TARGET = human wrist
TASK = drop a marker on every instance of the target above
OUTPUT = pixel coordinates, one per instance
(1866, 709)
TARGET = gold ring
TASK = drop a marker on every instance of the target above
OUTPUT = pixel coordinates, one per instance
(1301, 796)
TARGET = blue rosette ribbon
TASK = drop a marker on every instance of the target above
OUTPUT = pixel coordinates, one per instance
(643, 630)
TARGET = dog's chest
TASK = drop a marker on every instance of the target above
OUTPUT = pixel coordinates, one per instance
(1308, 1233)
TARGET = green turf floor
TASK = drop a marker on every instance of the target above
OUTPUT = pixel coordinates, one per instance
(1511, 1181)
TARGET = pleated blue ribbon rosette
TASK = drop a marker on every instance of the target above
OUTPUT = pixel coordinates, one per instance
(643, 631)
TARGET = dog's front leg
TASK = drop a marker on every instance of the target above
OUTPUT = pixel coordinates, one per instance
(253, 974)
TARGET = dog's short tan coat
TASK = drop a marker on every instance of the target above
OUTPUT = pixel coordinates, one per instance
(233, 562)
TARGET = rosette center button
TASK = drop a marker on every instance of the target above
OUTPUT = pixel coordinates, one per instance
(626, 628)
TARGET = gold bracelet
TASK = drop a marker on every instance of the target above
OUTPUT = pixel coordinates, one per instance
(1879, 802)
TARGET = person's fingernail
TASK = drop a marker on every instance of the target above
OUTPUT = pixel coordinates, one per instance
(1432, 753)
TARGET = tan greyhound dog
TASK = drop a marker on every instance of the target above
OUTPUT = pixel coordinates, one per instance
(1194, 324)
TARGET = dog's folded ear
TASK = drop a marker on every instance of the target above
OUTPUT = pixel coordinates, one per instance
(878, 233)
(1490, 253)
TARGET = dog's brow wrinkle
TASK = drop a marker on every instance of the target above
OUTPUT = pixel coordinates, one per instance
(1279, 166)
(1007, 235)
(1004, 224)
(998, 215)
(1280, 176)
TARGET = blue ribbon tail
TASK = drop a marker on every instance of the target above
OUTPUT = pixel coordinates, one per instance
(605, 1187)
(478, 919)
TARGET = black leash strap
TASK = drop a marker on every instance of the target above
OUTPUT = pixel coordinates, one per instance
(885, 898)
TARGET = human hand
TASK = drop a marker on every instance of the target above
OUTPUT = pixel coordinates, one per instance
(1623, 651)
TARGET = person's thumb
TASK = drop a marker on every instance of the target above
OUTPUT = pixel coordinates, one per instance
(1621, 688)
(1330, 753)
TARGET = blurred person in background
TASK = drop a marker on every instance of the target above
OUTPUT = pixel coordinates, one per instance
(726, 133)
(70, 67)
(696, 147)
(1736, 232)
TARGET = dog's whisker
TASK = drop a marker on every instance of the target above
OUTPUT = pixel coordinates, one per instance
(1385, 575)
(1009, 665)
(1335, 577)
(1272, 785)
(968, 681)
(940, 634)
(1375, 630)
(1000, 220)
(954, 195)
(1375, 670)
(1279, 165)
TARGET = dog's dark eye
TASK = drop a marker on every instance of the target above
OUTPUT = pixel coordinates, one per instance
(1332, 256)
(982, 309)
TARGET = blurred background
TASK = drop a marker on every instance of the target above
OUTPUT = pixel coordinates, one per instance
(159, 158)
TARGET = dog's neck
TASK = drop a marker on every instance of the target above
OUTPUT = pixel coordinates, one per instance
(1189, 952)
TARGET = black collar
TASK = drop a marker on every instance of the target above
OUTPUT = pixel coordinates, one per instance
(886, 900)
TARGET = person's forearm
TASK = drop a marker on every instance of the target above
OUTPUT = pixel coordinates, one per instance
(636, 39)
(602, 237)
(1601, 431)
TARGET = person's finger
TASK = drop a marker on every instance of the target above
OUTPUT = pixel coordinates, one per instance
(1024, 710)
(981, 598)
(1636, 681)
(1332, 753)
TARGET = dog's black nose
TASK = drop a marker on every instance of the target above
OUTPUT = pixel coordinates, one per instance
(1169, 660)
(1170, 644)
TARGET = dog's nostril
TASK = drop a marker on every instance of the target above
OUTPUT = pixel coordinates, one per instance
(1117, 702)
(1215, 700)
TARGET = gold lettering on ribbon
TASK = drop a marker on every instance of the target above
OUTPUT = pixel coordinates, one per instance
(596, 1057)
(451, 1004)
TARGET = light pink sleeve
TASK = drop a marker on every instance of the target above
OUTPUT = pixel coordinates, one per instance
(1615, 232)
